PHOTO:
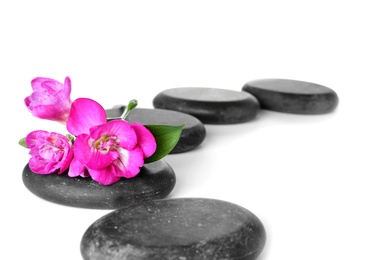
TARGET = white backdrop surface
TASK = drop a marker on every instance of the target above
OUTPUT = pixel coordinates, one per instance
(320, 184)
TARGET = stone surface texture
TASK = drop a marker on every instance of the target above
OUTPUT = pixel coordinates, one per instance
(176, 229)
(210, 105)
(193, 133)
(293, 96)
(155, 181)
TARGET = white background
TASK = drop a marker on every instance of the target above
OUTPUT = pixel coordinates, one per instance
(320, 184)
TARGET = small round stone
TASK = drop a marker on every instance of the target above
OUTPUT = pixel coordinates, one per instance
(210, 105)
(292, 96)
(176, 229)
(155, 181)
(192, 135)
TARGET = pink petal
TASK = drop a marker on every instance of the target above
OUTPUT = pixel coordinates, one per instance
(50, 112)
(129, 163)
(104, 176)
(52, 86)
(145, 138)
(91, 157)
(67, 87)
(84, 114)
(81, 148)
(65, 165)
(37, 83)
(121, 129)
(114, 172)
(76, 168)
(99, 160)
(40, 167)
(31, 138)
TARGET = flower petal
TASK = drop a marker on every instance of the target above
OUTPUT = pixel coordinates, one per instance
(99, 160)
(41, 83)
(39, 166)
(145, 138)
(67, 87)
(81, 148)
(31, 138)
(120, 129)
(104, 176)
(76, 168)
(51, 112)
(84, 114)
(129, 163)
(91, 157)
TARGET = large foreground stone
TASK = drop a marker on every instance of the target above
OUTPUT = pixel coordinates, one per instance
(175, 229)
(155, 181)
(210, 105)
(192, 135)
(292, 96)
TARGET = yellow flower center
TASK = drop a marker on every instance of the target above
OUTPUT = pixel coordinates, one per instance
(106, 143)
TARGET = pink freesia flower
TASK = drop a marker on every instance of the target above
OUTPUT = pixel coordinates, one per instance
(49, 152)
(107, 150)
(50, 99)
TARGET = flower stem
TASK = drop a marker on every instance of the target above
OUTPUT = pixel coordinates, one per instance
(132, 104)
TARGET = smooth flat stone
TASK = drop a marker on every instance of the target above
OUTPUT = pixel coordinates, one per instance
(210, 105)
(192, 135)
(292, 96)
(176, 229)
(155, 181)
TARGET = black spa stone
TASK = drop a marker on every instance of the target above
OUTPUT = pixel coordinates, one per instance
(210, 105)
(292, 96)
(175, 229)
(155, 181)
(192, 135)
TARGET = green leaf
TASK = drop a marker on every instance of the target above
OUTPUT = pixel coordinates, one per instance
(166, 137)
(22, 142)
(70, 137)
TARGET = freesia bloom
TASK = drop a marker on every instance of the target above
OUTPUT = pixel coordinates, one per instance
(50, 99)
(49, 152)
(107, 150)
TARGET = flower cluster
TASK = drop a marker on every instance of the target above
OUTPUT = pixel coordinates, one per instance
(105, 149)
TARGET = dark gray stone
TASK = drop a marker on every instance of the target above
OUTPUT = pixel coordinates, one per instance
(175, 229)
(292, 96)
(155, 181)
(210, 105)
(193, 133)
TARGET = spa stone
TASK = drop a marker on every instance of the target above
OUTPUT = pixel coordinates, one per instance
(210, 105)
(175, 229)
(292, 96)
(155, 181)
(192, 135)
